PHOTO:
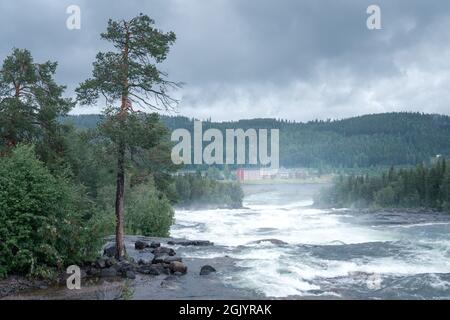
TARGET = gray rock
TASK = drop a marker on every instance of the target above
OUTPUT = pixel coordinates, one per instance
(100, 263)
(170, 259)
(161, 250)
(205, 270)
(110, 250)
(176, 266)
(146, 259)
(108, 273)
(190, 242)
(154, 245)
(141, 245)
(130, 275)
(160, 258)
(151, 270)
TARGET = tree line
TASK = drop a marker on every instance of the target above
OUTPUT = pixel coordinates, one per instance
(420, 187)
(398, 138)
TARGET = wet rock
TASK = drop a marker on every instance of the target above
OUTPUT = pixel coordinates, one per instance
(190, 242)
(154, 245)
(160, 258)
(110, 250)
(123, 267)
(141, 245)
(147, 259)
(170, 259)
(176, 266)
(93, 272)
(205, 270)
(164, 250)
(108, 273)
(130, 274)
(154, 270)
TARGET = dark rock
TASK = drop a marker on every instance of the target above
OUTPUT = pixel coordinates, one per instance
(110, 250)
(100, 263)
(146, 259)
(154, 245)
(190, 242)
(160, 258)
(154, 270)
(108, 273)
(123, 267)
(109, 262)
(141, 245)
(176, 266)
(170, 259)
(161, 250)
(205, 270)
(130, 275)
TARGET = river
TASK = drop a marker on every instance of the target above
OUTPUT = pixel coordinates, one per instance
(326, 253)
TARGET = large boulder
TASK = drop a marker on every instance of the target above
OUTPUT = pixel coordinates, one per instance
(170, 259)
(205, 270)
(176, 266)
(164, 250)
(141, 245)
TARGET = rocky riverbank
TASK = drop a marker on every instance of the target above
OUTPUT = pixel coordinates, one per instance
(155, 269)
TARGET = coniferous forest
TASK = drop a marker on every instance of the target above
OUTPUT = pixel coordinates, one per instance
(420, 187)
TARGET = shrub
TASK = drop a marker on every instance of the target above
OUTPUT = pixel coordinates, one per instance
(44, 222)
(148, 212)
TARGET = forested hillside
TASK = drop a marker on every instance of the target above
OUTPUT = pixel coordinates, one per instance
(386, 139)
(423, 187)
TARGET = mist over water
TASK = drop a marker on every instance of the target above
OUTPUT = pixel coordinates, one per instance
(326, 253)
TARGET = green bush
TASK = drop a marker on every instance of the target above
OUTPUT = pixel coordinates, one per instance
(44, 220)
(148, 212)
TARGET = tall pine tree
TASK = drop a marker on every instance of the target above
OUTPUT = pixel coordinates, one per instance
(129, 80)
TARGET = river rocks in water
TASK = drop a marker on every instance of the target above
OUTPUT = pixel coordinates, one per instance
(110, 250)
(176, 266)
(141, 245)
(154, 270)
(130, 274)
(154, 245)
(190, 242)
(170, 259)
(205, 270)
(147, 259)
(163, 250)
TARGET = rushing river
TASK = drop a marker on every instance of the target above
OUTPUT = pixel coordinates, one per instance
(328, 253)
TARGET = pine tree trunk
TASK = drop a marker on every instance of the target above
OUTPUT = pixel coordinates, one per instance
(120, 187)
(120, 190)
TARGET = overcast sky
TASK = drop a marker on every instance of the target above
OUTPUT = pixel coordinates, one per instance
(294, 59)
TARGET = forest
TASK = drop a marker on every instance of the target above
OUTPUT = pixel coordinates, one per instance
(376, 140)
(420, 187)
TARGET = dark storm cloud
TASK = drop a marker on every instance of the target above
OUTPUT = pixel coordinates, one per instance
(263, 58)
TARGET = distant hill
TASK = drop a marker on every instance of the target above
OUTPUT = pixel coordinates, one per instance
(401, 138)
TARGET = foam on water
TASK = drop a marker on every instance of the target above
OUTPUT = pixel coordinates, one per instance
(298, 268)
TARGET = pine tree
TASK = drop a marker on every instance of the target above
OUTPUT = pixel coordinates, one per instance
(30, 104)
(129, 80)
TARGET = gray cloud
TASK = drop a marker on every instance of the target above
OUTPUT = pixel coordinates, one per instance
(263, 58)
